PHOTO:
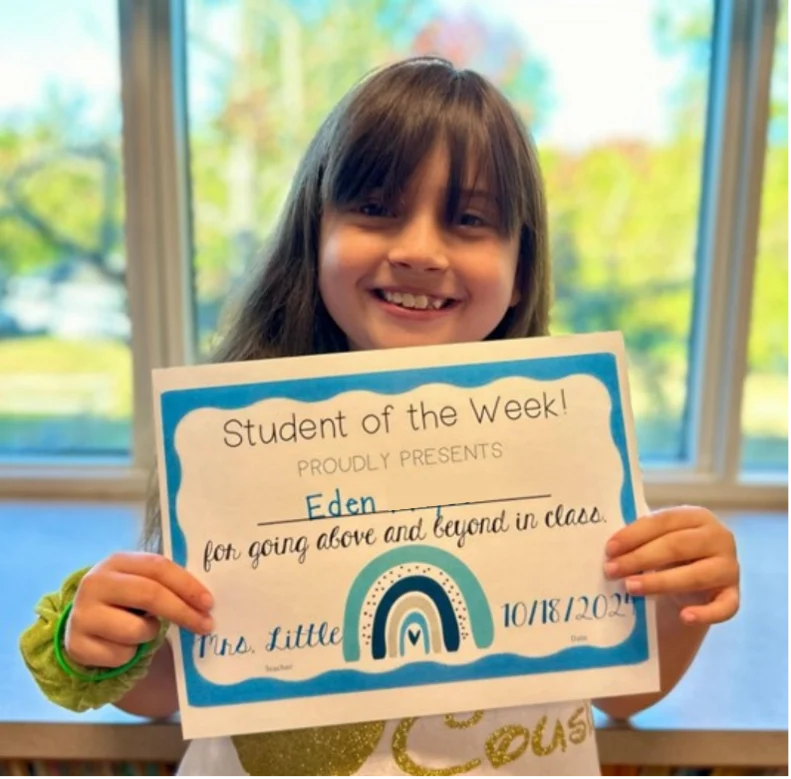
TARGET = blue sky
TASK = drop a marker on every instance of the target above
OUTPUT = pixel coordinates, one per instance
(606, 76)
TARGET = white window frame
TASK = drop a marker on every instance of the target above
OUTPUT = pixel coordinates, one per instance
(733, 168)
(160, 276)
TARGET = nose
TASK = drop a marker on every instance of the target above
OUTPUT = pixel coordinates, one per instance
(419, 246)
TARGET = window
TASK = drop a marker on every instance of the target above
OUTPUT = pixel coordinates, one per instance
(650, 118)
(621, 147)
(765, 401)
(65, 363)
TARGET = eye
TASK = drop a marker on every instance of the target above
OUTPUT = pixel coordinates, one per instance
(469, 219)
(373, 209)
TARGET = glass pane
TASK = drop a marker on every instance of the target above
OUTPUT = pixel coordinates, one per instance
(765, 402)
(65, 367)
(614, 92)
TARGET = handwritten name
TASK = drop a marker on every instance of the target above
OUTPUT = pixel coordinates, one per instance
(318, 507)
(303, 636)
(212, 644)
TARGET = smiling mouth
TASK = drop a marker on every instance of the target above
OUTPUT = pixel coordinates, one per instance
(414, 301)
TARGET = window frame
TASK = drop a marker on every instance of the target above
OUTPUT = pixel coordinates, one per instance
(159, 255)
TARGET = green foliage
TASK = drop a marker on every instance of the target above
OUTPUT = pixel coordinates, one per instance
(768, 350)
(623, 215)
(60, 189)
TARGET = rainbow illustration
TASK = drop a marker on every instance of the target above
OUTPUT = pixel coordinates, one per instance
(414, 600)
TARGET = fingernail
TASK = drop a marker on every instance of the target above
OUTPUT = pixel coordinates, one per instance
(688, 618)
(611, 550)
(206, 600)
(610, 569)
(634, 586)
(207, 625)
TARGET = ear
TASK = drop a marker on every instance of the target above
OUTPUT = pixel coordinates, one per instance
(516, 296)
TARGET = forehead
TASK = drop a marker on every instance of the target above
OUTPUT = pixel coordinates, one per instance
(439, 170)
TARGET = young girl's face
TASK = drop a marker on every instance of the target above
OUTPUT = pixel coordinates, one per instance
(403, 276)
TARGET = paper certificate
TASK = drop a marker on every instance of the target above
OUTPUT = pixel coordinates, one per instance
(402, 533)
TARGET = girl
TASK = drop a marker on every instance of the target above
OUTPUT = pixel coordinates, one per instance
(417, 217)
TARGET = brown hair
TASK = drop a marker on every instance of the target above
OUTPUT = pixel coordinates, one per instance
(374, 139)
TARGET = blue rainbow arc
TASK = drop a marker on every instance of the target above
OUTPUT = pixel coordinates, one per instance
(416, 602)
(450, 626)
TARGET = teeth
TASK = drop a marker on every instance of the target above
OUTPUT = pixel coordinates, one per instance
(408, 300)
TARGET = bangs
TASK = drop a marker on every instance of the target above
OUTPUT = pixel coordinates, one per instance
(395, 118)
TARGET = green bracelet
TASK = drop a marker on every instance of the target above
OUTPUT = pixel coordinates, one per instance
(99, 676)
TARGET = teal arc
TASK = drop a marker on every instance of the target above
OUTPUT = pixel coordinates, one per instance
(481, 623)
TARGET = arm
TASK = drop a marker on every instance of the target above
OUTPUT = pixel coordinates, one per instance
(155, 695)
(678, 645)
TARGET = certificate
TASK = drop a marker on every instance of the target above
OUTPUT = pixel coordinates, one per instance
(403, 532)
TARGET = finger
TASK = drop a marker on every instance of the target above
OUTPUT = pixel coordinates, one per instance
(709, 574)
(720, 609)
(94, 652)
(175, 578)
(138, 592)
(648, 528)
(118, 626)
(681, 546)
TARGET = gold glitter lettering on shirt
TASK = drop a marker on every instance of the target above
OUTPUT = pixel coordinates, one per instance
(343, 750)
(410, 767)
(499, 744)
(558, 738)
(340, 750)
(452, 722)
(577, 730)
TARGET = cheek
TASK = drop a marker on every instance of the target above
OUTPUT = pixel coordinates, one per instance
(341, 256)
(331, 267)
(328, 256)
(340, 271)
(498, 277)
(511, 273)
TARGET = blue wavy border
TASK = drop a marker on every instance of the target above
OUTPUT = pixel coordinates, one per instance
(176, 404)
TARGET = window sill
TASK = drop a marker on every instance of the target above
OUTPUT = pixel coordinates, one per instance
(75, 478)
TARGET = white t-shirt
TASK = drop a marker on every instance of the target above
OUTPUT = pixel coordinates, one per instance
(547, 740)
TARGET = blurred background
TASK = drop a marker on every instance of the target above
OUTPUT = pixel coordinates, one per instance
(146, 147)
(618, 94)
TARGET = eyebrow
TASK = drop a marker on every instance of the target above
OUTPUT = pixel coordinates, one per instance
(477, 193)
(483, 196)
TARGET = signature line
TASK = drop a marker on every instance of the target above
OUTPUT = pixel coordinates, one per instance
(398, 511)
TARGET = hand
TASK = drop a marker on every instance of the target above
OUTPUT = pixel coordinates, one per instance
(118, 604)
(683, 552)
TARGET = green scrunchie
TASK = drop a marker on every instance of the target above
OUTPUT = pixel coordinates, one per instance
(37, 645)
